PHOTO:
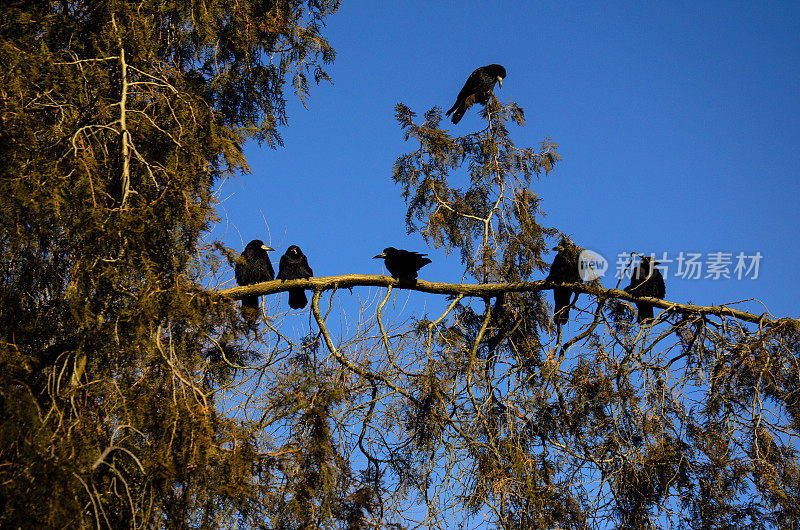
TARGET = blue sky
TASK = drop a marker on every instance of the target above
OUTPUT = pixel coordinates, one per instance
(678, 123)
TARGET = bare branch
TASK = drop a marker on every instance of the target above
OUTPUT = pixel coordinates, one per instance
(483, 290)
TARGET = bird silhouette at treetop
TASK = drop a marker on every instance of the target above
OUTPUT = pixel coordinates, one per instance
(477, 89)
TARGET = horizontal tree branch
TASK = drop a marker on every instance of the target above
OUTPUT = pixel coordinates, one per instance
(483, 290)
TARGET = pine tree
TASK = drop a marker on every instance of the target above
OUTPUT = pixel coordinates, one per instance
(486, 412)
(691, 420)
(117, 119)
(133, 394)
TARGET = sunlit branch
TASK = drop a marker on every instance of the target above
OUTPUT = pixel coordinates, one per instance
(123, 121)
(484, 290)
(379, 316)
(344, 361)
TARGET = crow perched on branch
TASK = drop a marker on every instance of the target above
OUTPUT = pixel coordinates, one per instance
(253, 266)
(294, 265)
(646, 281)
(477, 89)
(403, 264)
(564, 270)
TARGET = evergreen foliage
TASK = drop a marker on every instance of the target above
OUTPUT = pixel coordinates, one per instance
(131, 395)
(117, 118)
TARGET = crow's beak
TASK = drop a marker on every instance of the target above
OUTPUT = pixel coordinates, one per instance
(379, 256)
(500, 81)
(268, 249)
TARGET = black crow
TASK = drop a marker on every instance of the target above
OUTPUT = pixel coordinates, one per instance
(294, 265)
(564, 270)
(403, 264)
(477, 89)
(253, 266)
(646, 281)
